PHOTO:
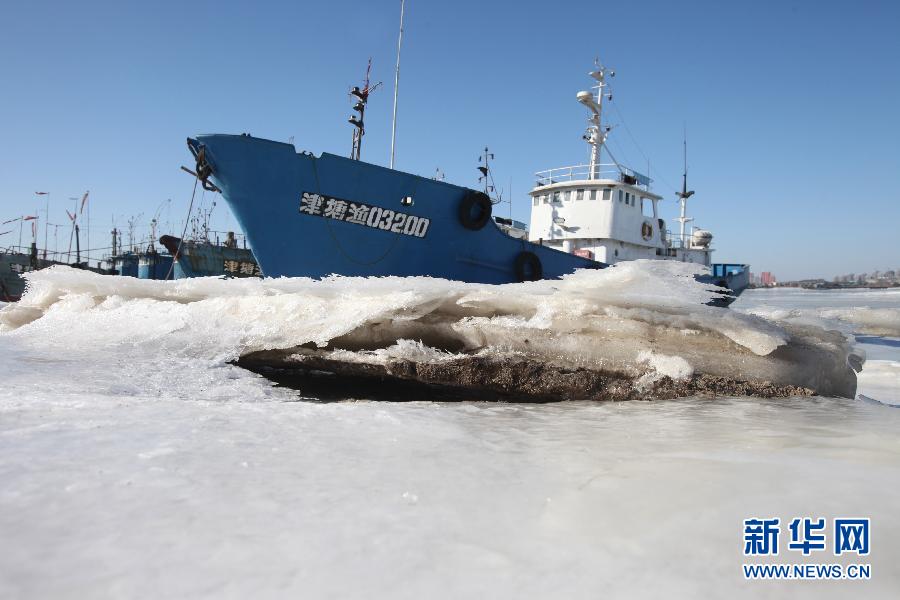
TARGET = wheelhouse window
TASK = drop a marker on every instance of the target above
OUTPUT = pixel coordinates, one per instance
(579, 195)
(536, 200)
(593, 194)
(607, 193)
(621, 195)
(556, 197)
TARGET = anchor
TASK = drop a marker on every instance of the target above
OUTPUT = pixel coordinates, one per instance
(204, 170)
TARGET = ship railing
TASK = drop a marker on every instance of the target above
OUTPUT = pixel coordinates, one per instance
(61, 256)
(675, 240)
(584, 172)
(16, 249)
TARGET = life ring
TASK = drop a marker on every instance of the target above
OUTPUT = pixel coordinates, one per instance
(475, 210)
(646, 230)
(528, 267)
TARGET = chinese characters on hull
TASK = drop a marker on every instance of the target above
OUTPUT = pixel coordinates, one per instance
(366, 215)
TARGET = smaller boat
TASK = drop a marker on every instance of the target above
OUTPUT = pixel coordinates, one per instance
(204, 258)
(14, 263)
(200, 254)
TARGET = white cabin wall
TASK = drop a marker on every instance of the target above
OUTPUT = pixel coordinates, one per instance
(588, 219)
(593, 218)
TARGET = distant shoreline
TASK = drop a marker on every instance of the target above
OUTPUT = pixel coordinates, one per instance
(824, 286)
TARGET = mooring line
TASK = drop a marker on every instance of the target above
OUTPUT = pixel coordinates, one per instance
(187, 219)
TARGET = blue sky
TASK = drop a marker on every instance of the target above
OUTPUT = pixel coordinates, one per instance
(791, 108)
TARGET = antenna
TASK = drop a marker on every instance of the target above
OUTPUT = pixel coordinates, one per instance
(151, 248)
(684, 194)
(397, 84)
(131, 224)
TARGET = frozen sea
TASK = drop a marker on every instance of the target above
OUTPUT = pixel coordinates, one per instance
(136, 465)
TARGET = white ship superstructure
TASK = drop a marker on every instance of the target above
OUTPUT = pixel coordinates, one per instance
(606, 211)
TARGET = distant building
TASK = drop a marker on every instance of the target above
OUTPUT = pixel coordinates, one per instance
(766, 278)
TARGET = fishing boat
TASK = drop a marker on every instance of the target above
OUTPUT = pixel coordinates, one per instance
(314, 216)
(12, 265)
(205, 258)
(198, 254)
(17, 260)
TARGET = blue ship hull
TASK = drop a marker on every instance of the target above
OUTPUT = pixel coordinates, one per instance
(307, 216)
(154, 265)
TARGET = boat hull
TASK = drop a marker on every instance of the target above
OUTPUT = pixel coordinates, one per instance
(382, 222)
(205, 259)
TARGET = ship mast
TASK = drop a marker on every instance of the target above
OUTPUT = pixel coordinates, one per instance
(485, 171)
(684, 194)
(596, 133)
(361, 99)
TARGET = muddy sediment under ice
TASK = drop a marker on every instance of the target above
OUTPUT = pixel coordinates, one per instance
(481, 378)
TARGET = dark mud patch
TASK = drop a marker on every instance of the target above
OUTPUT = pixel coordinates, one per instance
(485, 379)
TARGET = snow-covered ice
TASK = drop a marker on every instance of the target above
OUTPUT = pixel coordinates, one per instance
(870, 317)
(605, 321)
(135, 461)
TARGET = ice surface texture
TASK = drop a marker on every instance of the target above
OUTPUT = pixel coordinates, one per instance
(643, 321)
(136, 462)
(869, 316)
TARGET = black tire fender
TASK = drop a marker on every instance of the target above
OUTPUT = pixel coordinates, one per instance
(528, 267)
(475, 210)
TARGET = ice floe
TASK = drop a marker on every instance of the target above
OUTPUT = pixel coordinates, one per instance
(592, 334)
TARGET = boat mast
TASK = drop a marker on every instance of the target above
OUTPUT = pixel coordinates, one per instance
(684, 194)
(361, 99)
(596, 134)
(485, 171)
(396, 84)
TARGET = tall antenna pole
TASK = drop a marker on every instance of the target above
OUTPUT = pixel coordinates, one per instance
(396, 84)
(47, 225)
(684, 194)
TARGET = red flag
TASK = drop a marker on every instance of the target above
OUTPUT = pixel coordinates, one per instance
(29, 218)
(84, 200)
